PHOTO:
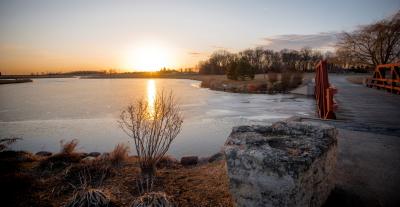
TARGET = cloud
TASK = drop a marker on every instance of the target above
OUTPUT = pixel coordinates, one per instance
(321, 41)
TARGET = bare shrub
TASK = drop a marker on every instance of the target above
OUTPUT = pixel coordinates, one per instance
(272, 77)
(153, 127)
(154, 199)
(118, 155)
(69, 147)
(145, 183)
(296, 80)
(286, 78)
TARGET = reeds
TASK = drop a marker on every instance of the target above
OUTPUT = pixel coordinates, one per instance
(119, 155)
(68, 147)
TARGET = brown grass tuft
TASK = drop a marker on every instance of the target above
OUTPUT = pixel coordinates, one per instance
(119, 155)
(59, 161)
(89, 197)
(91, 174)
(68, 147)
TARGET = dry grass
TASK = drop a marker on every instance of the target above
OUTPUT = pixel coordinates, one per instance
(152, 199)
(68, 147)
(89, 197)
(63, 159)
(205, 185)
(92, 174)
(59, 161)
(119, 155)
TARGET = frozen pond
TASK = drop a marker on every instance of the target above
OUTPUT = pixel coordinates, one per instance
(49, 110)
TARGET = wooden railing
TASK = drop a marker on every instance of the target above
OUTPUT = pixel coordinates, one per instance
(324, 92)
(387, 77)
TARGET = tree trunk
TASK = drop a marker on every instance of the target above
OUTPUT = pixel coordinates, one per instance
(148, 170)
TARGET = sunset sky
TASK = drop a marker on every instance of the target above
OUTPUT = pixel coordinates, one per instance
(58, 36)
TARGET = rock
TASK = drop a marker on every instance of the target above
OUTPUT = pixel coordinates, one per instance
(190, 160)
(84, 154)
(105, 155)
(203, 160)
(16, 156)
(287, 164)
(216, 157)
(94, 154)
(44, 153)
(88, 159)
(167, 162)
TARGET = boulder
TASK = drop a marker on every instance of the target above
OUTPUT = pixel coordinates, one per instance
(84, 154)
(290, 163)
(44, 153)
(190, 160)
(167, 162)
(88, 159)
(94, 154)
(16, 156)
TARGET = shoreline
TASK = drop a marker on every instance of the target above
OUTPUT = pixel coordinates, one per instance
(261, 84)
(16, 80)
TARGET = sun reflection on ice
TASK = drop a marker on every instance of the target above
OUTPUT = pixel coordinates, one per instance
(151, 96)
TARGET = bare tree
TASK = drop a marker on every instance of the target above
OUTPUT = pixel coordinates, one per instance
(373, 44)
(153, 127)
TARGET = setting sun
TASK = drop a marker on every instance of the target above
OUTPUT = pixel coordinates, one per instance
(148, 57)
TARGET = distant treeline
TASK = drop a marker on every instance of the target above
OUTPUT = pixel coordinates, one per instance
(261, 60)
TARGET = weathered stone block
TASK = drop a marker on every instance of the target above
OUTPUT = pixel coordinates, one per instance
(287, 164)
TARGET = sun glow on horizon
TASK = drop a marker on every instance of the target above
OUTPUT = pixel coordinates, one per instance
(148, 57)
